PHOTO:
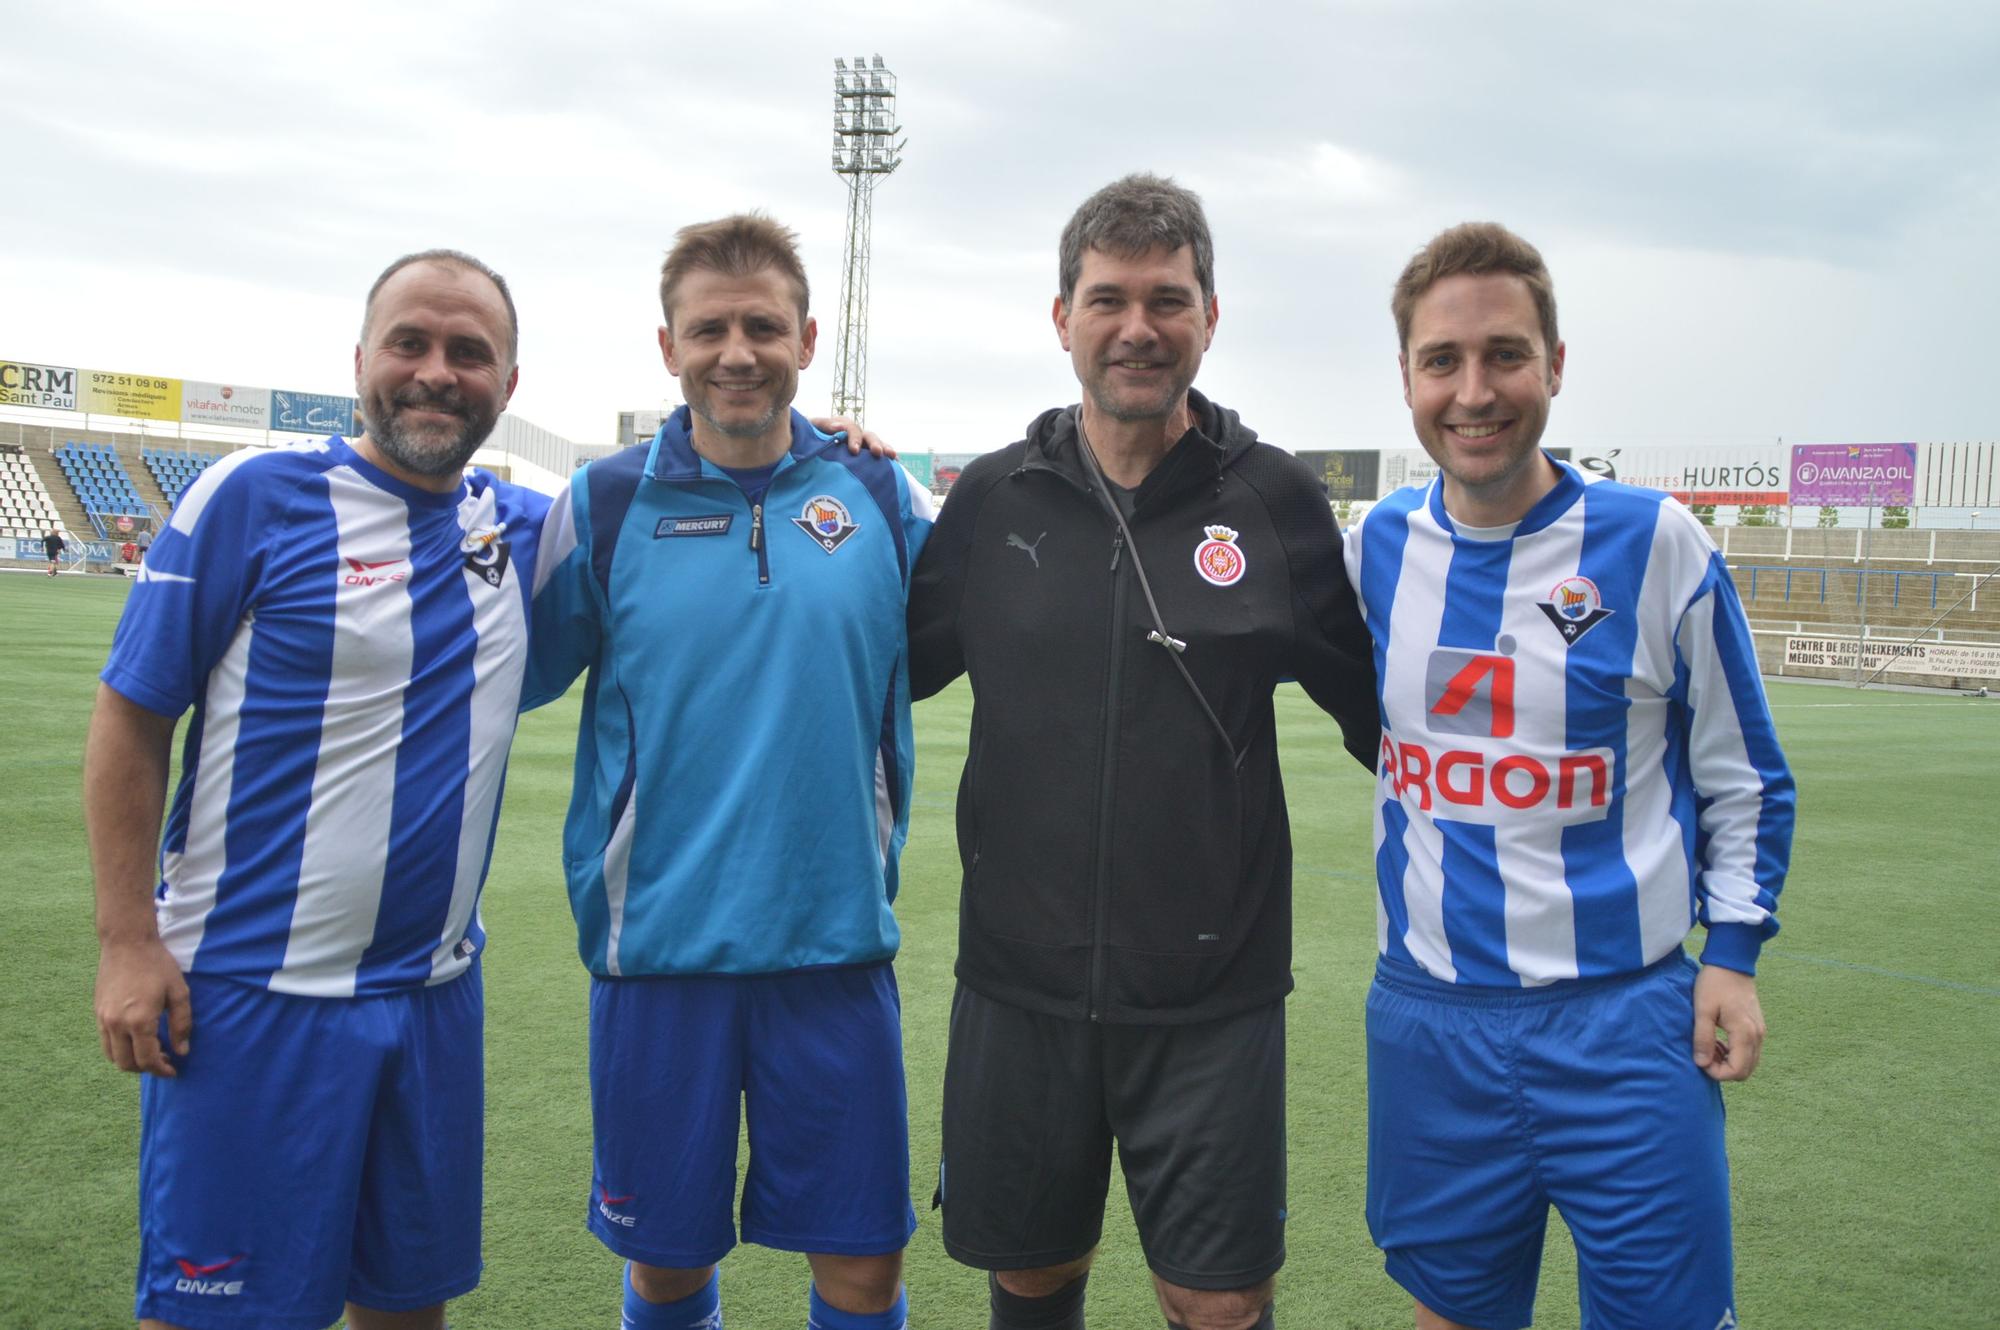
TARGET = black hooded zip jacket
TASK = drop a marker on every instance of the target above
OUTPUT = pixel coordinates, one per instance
(1123, 860)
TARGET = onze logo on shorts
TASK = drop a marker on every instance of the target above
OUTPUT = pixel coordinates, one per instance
(197, 1278)
(605, 1200)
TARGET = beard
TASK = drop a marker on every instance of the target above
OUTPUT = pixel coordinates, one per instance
(426, 450)
(1130, 408)
(702, 404)
(738, 429)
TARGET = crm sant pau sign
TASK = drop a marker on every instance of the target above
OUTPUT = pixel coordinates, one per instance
(190, 402)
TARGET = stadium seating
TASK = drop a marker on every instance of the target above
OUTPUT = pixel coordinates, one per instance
(101, 482)
(175, 469)
(25, 507)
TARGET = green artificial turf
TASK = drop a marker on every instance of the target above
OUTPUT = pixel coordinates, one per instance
(1865, 1150)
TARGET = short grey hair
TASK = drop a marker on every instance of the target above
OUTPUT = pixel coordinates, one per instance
(458, 259)
(1130, 216)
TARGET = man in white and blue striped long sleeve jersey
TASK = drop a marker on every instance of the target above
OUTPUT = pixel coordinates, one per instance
(1577, 765)
(295, 962)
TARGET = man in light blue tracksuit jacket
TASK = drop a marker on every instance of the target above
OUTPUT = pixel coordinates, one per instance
(735, 588)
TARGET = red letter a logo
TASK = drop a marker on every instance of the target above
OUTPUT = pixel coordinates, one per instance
(1458, 709)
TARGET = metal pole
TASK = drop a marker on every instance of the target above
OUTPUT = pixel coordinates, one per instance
(864, 151)
(1867, 536)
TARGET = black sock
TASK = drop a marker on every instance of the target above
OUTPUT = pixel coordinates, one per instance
(1060, 1310)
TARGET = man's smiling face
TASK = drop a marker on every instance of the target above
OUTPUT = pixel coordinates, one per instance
(1135, 329)
(1478, 380)
(737, 345)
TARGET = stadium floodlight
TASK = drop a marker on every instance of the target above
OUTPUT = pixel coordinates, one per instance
(865, 149)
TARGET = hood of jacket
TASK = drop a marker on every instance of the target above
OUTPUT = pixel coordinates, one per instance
(1199, 457)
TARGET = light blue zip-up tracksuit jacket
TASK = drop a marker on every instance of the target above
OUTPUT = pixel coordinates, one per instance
(743, 766)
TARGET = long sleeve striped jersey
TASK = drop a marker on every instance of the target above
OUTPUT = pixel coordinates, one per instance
(1578, 761)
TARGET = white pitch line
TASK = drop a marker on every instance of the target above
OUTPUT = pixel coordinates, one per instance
(1876, 706)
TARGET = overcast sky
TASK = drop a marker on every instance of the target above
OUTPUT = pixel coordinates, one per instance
(1764, 220)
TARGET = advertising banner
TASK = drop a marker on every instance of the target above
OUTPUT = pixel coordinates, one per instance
(919, 465)
(138, 396)
(23, 383)
(1854, 475)
(1958, 475)
(311, 413)
(1960, 660)
(1403, 467)
(1348, 474)
(1751, 476)
(225, 404)
(945, 469)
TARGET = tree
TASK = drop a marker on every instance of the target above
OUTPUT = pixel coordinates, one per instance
(1895, 517)
(1755, 514)
(1829, 517)
(1705, 513)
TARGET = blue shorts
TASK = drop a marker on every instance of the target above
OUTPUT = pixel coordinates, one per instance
(1486, 1106)
(816, 1057)
(312, 1151)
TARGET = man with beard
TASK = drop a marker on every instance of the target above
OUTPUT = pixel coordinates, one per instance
(1126, 587)
(1577, 765)
(348, 620)
(735, 589)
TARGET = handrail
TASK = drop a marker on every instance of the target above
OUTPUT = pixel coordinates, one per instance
(1861, 644)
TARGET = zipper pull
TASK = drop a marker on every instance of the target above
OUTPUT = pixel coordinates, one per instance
(756, 526)
(1117, 548)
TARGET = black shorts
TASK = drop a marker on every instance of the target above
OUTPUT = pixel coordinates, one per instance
(1032, 1104)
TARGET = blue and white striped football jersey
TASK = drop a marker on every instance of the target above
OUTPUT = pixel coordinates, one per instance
(353, 648)
(1577, 758)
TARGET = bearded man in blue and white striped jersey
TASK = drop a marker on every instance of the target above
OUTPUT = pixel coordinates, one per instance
(1577, 765)
(349, 622)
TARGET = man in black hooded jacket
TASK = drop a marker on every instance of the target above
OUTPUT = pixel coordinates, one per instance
(1125, 587)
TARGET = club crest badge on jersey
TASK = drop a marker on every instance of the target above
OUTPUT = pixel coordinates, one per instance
(1219, 559)
(827, 521)
(486, 552)
(1575, 607)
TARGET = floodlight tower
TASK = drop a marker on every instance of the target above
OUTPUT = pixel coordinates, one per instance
(864, 123)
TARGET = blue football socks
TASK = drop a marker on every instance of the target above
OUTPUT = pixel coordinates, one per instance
(700, 1310)
(826, 1316)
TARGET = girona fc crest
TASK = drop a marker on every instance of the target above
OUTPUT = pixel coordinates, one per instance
(827, 521)
(1219, 559)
